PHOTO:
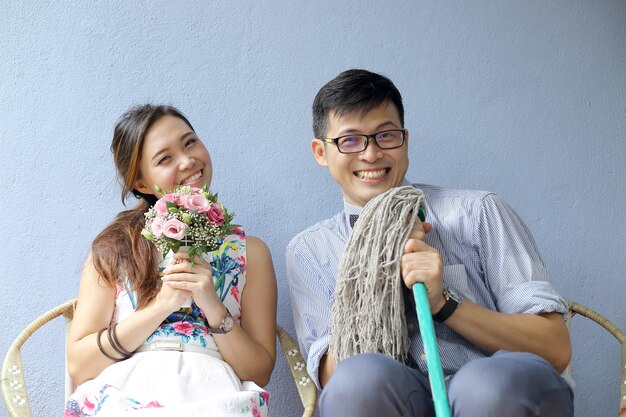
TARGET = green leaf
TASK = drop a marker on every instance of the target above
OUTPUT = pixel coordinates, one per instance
(170, 243)
(192, 255)
(172, 207)
(146, 233)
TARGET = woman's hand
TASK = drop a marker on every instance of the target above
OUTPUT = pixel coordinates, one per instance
(197, 281)
(170, 298)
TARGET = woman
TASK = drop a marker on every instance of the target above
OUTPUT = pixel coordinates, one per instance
(132, 349)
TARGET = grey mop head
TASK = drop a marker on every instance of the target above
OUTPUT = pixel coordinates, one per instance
(368, 313)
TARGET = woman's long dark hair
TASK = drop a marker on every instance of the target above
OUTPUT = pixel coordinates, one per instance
(119, 252)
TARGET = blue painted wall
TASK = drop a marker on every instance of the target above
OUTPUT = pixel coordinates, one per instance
(524, 98)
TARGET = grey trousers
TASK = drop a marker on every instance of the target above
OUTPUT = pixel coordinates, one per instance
(506, 384)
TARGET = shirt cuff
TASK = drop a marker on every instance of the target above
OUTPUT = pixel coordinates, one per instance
(317, 350)
(532, 297)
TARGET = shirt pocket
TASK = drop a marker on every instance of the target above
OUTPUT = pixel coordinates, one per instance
(455, 277)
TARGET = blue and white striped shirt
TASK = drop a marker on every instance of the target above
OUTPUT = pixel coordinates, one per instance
(489, 256)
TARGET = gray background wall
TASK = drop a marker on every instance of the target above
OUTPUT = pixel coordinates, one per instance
(524, 98)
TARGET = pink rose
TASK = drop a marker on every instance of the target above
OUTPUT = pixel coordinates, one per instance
(195, 202)
(174, 229)
(215, 214)
(157, 227)
(184, 328)
(161, 208)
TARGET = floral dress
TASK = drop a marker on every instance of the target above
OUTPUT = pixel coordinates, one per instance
(173, 383)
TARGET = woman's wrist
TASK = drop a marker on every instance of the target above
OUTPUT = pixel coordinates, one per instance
(215, 315)
(160, 309)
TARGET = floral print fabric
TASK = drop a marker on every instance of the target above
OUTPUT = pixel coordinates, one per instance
(172, 383)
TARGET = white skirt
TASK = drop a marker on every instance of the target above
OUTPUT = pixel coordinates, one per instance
(168, 383)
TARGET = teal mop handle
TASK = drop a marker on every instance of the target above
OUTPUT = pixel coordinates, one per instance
(433, 361)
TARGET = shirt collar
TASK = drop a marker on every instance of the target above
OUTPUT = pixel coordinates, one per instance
(349, 209)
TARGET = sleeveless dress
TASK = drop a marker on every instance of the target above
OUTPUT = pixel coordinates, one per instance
(172, 383)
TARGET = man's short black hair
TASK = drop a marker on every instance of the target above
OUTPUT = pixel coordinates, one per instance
(353, 90)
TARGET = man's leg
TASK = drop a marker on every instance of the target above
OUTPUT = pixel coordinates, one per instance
(375, 385)
(512, 384)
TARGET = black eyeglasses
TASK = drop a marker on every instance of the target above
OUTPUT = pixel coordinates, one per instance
(387, 139)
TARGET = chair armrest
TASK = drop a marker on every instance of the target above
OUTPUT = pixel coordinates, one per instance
(576, 308)
(297, 365)
(12, 382)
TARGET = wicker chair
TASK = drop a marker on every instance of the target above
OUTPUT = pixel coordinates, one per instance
(575, 308)
(13, 385)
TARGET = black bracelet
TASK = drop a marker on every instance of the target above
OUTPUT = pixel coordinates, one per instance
(115, 343)
(119, 345)
(100, 345)
(446, 311)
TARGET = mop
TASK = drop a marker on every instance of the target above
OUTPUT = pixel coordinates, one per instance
(368, 313)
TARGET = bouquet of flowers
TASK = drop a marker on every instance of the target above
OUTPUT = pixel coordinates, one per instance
(187, 217)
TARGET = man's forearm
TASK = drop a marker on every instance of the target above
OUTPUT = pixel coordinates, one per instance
(546, 334)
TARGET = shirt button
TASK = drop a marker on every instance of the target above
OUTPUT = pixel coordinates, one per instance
(423, 357)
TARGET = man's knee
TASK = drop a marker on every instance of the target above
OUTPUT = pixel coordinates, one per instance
(509, 383)
(482, 381)
(362, 375)
(372, 384)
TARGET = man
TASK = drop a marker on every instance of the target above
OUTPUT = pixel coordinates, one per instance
(499, 322)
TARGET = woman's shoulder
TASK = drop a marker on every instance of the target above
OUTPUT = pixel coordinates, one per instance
(260, 266)
(257, 252)
(255, 244)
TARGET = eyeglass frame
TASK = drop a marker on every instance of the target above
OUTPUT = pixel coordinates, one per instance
(335, 141)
